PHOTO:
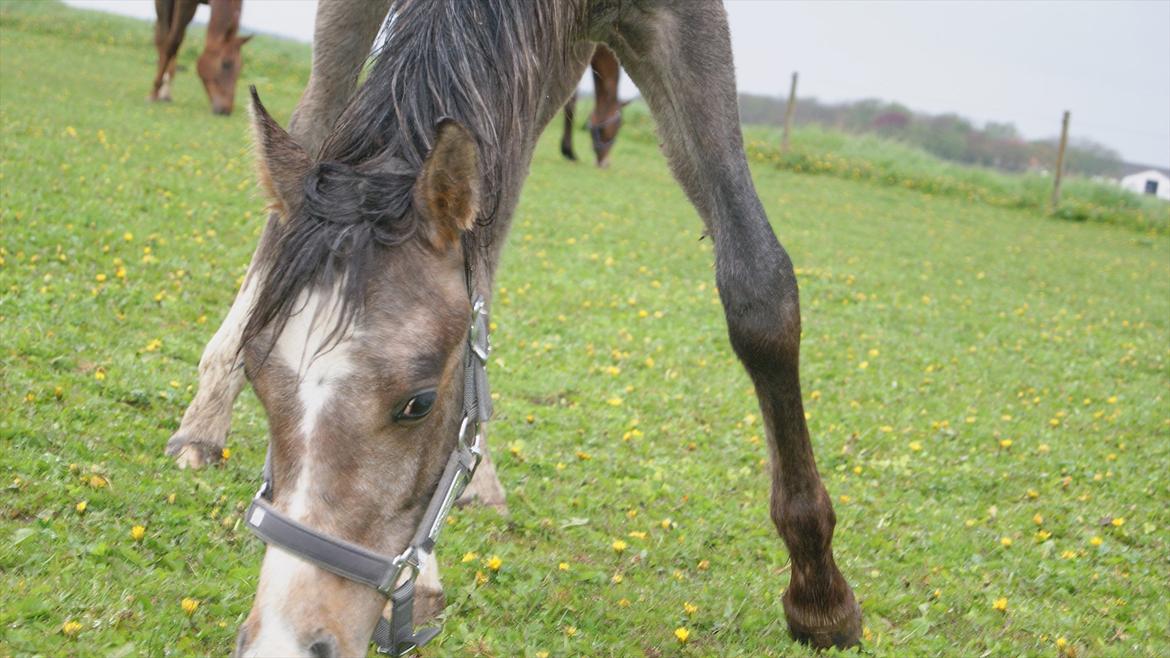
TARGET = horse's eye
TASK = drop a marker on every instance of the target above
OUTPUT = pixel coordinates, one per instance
(417, 407)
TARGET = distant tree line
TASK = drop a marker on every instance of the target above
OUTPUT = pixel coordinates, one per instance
(948, 136)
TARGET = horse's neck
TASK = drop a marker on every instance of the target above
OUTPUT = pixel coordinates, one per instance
(557, 82)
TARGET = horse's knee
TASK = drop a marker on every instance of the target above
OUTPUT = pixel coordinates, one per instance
(761, 301)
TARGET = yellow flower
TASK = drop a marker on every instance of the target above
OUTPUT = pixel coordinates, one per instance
(480, 578)
(624, 603)
(97, 481)
(614, 402)
(80, 507)
(681, 634)
(226, 454)
(915, 446)
(100, 375)
(563, 566)
(1096, 541)
(127, 236)
(100, 278)
(137, 533)
(583, 456)
(618, 545)
(666, 524)
(541, 654)
(637, 534)
(1118, 522)
(494, 563)
(1000, 604)
(570, 631)
(1005, 443)
(704, 565)
(1061, 643)
(690, 608)
(469, 556)
(71, 628)
(190, 606)
(617, 579)
(1006, 541)
(1042, 535)
(1033, 494)
(1038, 520)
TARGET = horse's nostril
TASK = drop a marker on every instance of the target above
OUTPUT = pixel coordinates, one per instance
(324, 648)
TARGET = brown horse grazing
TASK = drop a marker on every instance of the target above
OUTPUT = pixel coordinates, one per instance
(606, 119)
(361, 323)
(220, 64)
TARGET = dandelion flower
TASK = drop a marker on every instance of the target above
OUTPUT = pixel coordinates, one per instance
(704, 565)
(617, 579)
(71, 628)
(666, 524)
(682, 634)
(1118, 522)
(570, 631)
(1006, 541)
(480, 578)
(190, 606)
(137, 533)
(494, 563)
(690, 608)
(618, 545)
(80, 507)
(1000, 604)
(915, 446)
(623, 603)
(1096, 541)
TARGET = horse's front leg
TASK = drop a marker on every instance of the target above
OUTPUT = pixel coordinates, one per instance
(201, 436)
(679, 55)
(567, 137)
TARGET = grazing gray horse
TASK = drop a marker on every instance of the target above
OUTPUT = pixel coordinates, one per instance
(361, 322)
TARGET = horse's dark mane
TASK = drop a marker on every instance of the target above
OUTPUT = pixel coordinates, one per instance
(475, 62)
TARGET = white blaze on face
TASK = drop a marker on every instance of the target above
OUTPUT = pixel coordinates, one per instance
(320, 370)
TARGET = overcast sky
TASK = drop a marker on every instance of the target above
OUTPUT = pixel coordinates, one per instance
(1023, 62)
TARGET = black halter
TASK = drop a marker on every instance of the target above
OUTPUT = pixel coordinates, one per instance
(396, 636)
(596, 128)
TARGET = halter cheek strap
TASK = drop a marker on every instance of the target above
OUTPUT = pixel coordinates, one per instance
(396, 636)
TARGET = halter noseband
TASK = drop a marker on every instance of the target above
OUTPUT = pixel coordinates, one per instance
(596, 128)
(396, 636)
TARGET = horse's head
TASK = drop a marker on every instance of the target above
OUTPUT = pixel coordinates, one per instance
(219, 68)
(355, 347)
(604, 125)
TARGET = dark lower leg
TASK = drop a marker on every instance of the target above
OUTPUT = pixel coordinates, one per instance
(567, 138)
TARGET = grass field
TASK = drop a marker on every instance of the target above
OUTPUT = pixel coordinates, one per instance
(986, 387)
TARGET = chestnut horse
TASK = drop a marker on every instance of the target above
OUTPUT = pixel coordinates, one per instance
(606, 119)
(361, 323)
(220, 64)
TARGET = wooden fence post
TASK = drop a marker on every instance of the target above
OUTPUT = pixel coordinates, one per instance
(1054, 203)
(788, 112)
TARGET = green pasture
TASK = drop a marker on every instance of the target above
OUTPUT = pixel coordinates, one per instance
(986, 387)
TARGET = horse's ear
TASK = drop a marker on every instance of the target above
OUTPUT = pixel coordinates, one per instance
(627, 102)
(447, 190)
(240, 41)
(280, 161)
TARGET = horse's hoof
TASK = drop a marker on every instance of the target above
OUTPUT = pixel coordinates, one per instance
(193, 453)
(839, 627)
(428, 603)
(568, 153)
